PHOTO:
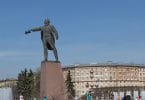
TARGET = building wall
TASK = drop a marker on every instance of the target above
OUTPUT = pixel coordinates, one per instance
(86, 77)
(7, 83)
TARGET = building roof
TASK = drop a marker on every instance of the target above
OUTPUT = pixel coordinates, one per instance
(108, 64)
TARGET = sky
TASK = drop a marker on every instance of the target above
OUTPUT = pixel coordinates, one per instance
(90, 31)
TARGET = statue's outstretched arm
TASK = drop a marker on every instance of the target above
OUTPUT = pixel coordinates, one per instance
(33, 30)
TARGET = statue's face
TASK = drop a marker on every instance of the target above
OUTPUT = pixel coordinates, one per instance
(46, 22)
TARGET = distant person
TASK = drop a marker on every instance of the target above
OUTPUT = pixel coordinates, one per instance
(138, 98)
(127, 97)
(21, 97)
(118, 98)
(45, 98)
(112, 97)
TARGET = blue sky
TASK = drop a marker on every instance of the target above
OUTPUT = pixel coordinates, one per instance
(90, 31)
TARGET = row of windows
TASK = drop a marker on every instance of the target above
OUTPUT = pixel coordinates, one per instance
(107, 73)
(82, 70)
(111, 84)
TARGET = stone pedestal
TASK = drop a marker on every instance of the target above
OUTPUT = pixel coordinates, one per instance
(52, 82)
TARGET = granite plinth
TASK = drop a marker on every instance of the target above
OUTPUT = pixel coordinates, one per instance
(52, 82)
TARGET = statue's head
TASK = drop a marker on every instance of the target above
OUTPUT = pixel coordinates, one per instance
(46, 21)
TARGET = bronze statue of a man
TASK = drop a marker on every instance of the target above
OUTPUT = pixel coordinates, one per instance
(48, 36)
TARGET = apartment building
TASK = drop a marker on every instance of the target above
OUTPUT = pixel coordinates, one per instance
(91, 76)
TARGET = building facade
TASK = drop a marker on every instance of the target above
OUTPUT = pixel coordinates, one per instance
(8, 83)
(92, 76)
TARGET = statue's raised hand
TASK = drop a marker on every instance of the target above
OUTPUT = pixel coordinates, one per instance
(27, 32)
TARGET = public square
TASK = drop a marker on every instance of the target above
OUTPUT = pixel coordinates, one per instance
(72, 50)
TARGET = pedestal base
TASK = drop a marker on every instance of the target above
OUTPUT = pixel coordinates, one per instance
(52, 82)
